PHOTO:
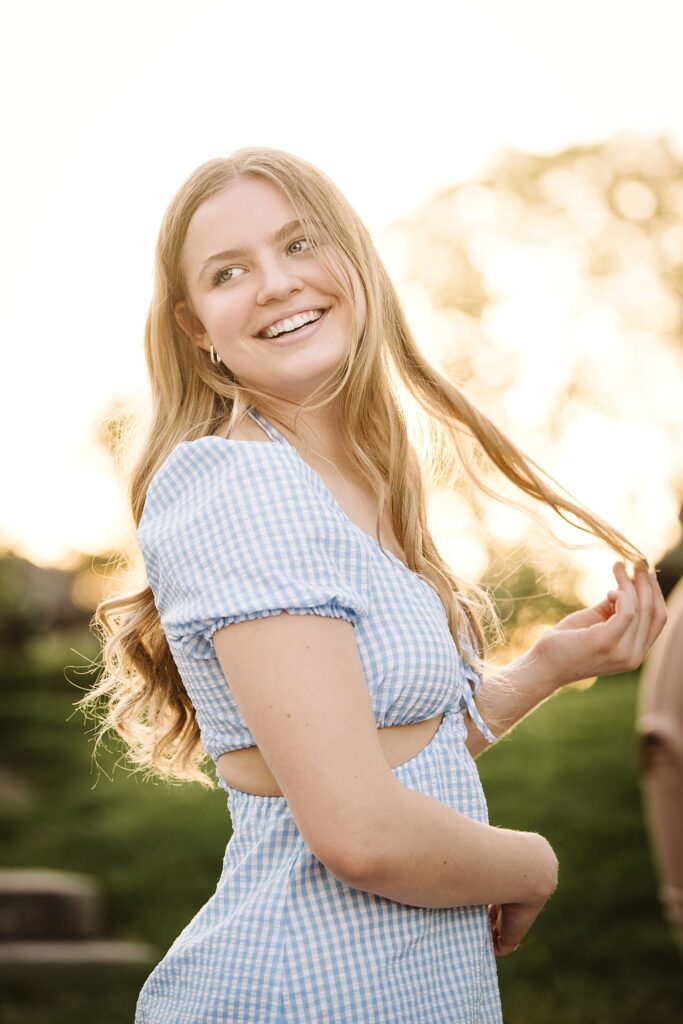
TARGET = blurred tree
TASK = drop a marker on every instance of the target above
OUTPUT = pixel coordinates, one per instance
(34, 602)
(552, 290)
(670, 565)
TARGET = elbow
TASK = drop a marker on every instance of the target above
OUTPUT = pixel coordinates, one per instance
(356, 850)
(357, 870)
(540, 863)
(548, 876)
(355, 863)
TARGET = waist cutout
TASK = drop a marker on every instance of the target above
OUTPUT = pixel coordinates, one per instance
(246, 769)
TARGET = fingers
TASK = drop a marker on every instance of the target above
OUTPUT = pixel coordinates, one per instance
(626, 585)
(621, 628)
(640, 614)
(495, 922)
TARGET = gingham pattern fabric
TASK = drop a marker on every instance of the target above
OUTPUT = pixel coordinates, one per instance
(237, 530)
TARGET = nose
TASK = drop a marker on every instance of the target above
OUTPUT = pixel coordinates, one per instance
(278, 279)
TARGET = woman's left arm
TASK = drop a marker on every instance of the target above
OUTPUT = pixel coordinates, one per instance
(611, 637)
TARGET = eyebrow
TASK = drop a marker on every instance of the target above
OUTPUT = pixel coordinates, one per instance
(231, 254)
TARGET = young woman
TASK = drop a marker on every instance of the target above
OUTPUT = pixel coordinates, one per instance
(301, 629)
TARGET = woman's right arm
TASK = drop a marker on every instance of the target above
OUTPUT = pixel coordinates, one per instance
(433, 856)
(301, 689)
(243, 557)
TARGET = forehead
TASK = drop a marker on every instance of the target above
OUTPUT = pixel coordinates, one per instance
(244, 214)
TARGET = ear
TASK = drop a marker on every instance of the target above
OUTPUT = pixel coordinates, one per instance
(190, 324)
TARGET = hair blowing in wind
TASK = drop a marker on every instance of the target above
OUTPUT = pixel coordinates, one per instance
(139, 692)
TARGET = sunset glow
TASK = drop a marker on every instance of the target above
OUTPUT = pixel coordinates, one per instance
(78, 264)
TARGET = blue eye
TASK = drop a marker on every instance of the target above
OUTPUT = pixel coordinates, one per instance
(218, 278)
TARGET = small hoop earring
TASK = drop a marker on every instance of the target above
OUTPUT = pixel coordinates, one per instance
(215, 358)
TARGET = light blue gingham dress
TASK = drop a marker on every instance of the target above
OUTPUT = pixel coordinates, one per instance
(234, 530)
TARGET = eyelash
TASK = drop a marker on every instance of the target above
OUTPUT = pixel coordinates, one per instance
(217, 276)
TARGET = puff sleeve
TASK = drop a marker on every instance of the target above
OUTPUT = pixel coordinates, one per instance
(232, 531)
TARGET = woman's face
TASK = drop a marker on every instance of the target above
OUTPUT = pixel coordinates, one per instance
(270, 275)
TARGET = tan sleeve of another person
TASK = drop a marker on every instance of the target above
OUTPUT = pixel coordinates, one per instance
(659, 723)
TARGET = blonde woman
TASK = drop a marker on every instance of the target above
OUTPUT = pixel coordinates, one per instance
(302, 630)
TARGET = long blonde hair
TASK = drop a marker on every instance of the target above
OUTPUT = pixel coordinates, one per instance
(144, 699)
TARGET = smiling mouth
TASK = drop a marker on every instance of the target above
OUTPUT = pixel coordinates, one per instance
(289, 334)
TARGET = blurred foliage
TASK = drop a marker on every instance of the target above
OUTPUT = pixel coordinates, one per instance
(21, 615)
(670, 566)
(520, 602)
(551, 290)
(35, 604)
(617, 206)
(43, 609)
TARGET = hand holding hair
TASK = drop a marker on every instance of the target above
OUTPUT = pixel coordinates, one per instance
(611, 637)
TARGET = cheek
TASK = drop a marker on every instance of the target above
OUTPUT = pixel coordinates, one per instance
(232, 315)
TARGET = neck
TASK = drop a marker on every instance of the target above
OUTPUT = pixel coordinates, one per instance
(316, 431)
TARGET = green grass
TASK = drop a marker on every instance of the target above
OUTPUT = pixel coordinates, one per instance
(599, 953)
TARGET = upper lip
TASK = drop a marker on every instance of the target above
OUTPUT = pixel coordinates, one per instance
(288, 315)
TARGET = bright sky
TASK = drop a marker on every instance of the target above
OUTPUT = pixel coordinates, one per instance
(109, 108)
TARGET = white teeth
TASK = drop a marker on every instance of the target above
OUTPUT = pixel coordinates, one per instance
(292, 323)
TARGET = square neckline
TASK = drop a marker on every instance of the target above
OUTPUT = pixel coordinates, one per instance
(276, 436)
